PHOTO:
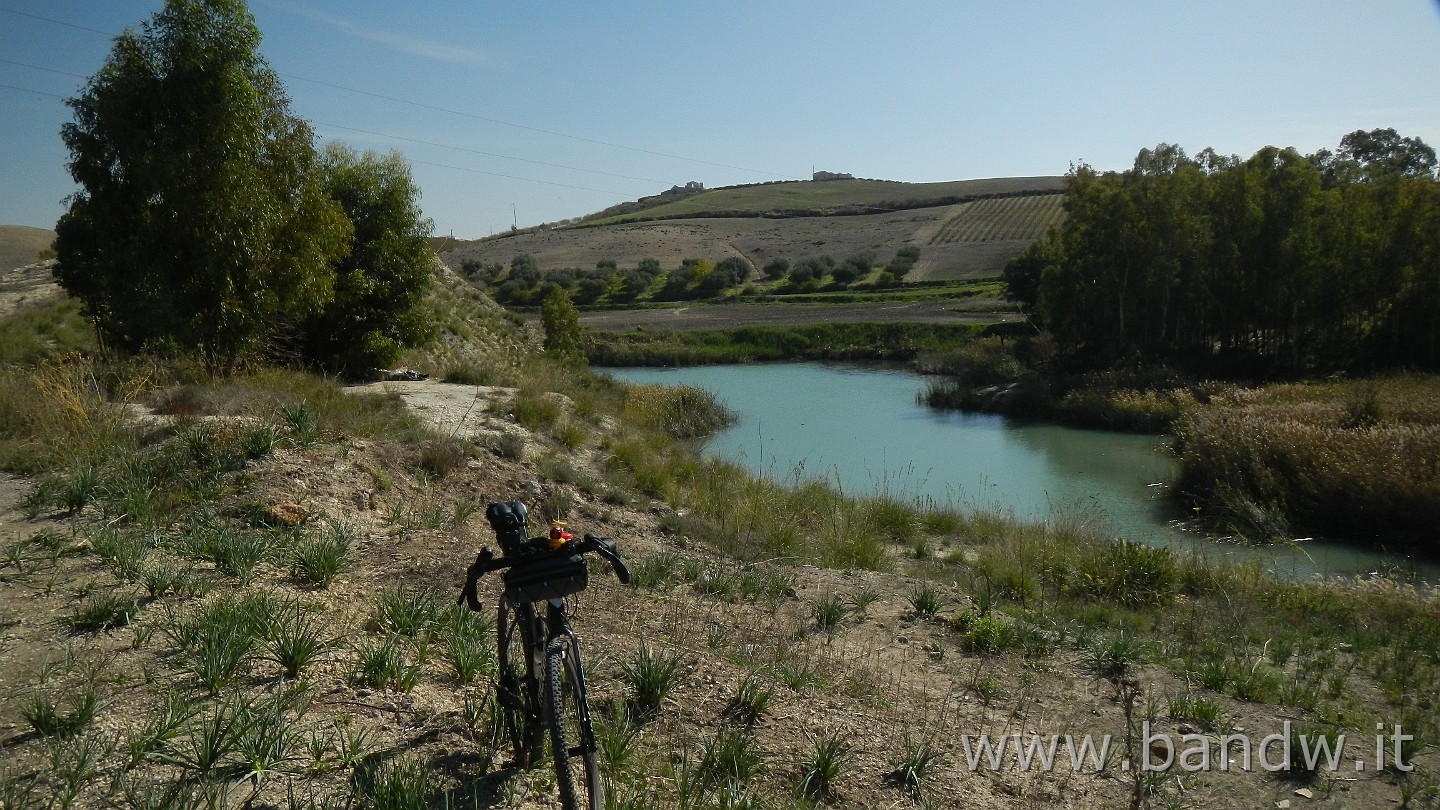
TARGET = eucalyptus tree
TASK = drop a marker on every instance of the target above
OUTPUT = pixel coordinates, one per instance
(201, 219)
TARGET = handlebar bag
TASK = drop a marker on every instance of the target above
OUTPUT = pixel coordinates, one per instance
(546, 578)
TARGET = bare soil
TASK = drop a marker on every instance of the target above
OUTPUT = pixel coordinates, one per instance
(21, 245)
(883, 677)
(26, 285)
(756, 240)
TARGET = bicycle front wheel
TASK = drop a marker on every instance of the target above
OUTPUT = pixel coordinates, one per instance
(572, 738)
(517, 688)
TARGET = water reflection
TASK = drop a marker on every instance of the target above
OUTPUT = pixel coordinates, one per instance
(861, 429)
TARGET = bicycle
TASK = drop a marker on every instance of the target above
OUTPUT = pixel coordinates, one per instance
(541, 680)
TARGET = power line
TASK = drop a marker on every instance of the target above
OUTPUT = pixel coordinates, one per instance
(626, 195)
(681, 203)
(36, 92)
(59, 22)
(529, 128)
(450, 111)
(46, 69)
(486, 154)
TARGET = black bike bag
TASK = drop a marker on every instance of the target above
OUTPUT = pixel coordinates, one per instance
(546, 578)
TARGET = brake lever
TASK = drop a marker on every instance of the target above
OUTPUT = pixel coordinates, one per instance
(469, 595)
(606, 549)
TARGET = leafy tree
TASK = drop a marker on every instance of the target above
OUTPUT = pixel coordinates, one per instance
(651, 266)
(201, 220)
(561, 321)
(524, 270)
(636, 283)
(862, 263)
(677, 283)
(735, 267)
(777, 269)
(1278, 264)
(561, 278)
(903, 262)
(374, 314)
(1382, 153)
(588, 290)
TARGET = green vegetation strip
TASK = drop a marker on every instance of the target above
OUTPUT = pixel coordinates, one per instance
(835, 341)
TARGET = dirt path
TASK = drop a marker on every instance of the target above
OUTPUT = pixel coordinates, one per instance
(729, 316)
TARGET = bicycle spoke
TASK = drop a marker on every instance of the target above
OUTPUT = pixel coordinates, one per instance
(517, 689)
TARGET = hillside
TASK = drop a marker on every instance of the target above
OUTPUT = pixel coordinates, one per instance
(823, 198)
(983, 224)
(238, 592)
(21, 245)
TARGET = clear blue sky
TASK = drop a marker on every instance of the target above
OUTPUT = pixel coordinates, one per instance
(540, 111)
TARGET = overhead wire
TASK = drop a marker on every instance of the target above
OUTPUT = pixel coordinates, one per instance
(30, 90)
(680, 203)
(437, 108)
(481, 152)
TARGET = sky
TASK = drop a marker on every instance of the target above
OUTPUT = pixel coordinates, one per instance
(520, 113)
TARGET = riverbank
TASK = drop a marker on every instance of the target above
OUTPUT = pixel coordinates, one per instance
(820, 341)
(194, 526)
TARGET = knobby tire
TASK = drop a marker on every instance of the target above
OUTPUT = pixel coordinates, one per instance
(572, 740)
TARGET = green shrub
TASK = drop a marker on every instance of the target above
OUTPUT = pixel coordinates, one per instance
(654, 570)
(400, 611)
(1113, 655)
(102, 612)
(920, 756)
(651, 676)
(752, 698)
(42, 713)
(729, 756)
(535, 409)
(218, 641)
(828, 611)
(820, 769)
(987, 635)
(294, 639)
(681, 412)
(472, 374)
(401, 784)
(1129, 573)
(925, 600)
(319, 556)
(384, 665)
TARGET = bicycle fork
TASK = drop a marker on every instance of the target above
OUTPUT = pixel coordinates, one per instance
(557, 626)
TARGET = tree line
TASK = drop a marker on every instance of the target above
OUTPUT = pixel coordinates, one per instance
(1280, 264)
(207, 223)
(523, 283)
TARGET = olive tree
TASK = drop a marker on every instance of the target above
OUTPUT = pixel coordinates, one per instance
(201, 219)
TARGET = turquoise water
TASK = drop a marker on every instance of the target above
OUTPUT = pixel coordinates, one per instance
(862, 429)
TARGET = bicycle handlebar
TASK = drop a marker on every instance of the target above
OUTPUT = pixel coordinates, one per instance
(486, 561)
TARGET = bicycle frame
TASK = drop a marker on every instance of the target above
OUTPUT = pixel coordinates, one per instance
(548, 690)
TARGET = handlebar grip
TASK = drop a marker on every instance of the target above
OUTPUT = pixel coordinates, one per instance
(469, 595)
(606, 547)
(621, 572)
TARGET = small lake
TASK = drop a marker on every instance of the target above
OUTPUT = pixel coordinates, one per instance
(861, 428)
